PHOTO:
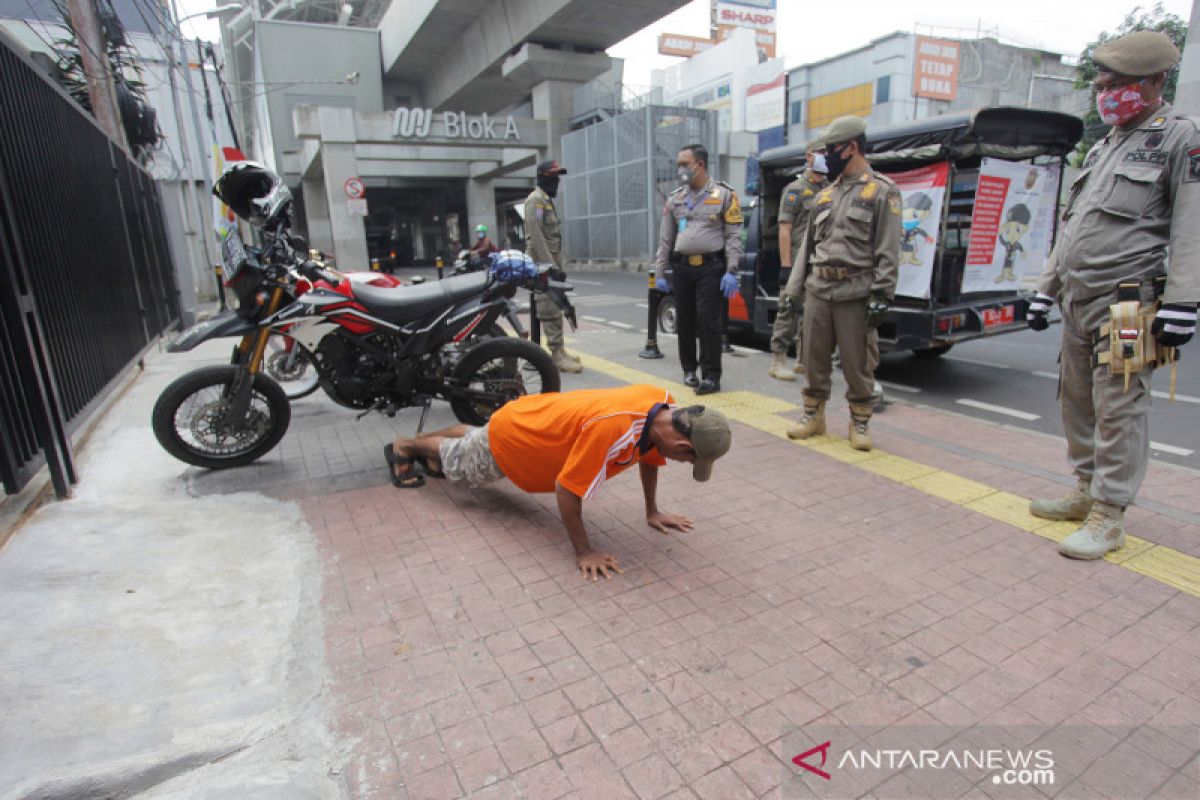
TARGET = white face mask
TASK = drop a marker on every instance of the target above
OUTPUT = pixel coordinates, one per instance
(819, 164)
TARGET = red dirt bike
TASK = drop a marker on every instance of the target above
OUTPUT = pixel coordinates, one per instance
(372, 348)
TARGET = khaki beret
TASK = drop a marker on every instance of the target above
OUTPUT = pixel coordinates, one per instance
(1138, 54)
(843, 129)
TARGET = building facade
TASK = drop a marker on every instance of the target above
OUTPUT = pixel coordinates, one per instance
(881, 80)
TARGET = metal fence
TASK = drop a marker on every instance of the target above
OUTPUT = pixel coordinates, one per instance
(86, 281)
(619, 173)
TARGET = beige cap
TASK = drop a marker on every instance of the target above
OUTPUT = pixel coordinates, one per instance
(843, 129)
(1138, 54)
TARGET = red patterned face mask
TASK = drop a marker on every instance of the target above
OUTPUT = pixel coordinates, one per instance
(1118, 106)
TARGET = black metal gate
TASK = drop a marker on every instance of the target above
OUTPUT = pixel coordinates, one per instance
(86, 281)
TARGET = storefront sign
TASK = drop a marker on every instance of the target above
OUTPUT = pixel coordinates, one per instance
(676, 44)
(419, 123)
(758, 15)
(935, 70)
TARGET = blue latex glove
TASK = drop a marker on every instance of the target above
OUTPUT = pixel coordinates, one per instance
(660, 283)
(729, 284)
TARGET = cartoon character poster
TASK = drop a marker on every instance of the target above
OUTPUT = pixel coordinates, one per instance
(1011, 224)
(922, 190)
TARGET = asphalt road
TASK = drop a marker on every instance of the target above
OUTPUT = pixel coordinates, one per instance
(1009, 379)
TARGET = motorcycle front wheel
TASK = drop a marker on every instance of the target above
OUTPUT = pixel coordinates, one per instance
(187, 419)
(496, 371)
(291, 367)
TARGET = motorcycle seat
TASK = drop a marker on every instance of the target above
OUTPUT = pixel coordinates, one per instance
(410, 303)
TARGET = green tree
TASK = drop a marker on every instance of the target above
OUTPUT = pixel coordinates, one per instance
(1085, 72)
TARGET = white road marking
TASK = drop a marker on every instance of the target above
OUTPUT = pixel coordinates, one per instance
(585, 283)
(1167, 448)
(1182, 398)
(624, 325)
(601, 320)
(1012, 412)
(977, 362)
(1051, 375)
(641, 305)
(900, 387)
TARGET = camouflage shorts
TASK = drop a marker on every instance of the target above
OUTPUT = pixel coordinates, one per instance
(470, 458)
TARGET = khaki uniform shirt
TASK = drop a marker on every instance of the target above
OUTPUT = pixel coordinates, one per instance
(543, 233)
(695, 223)
(795, 206)
(854, 224)
(1138, 194)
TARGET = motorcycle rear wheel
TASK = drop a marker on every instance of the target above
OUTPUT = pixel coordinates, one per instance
(184, 417)
(506, 367)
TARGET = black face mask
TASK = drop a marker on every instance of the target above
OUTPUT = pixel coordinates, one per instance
(836, 162)
(548, 184)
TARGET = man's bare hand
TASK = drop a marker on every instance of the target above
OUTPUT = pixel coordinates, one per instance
(662, 522)
(594, 564)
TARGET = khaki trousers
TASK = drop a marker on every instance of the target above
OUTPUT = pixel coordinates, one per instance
(787, 325)
(844, 325)
(1108, 428)
(551, 318)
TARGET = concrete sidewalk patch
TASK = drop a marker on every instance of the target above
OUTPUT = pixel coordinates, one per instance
(157, 642)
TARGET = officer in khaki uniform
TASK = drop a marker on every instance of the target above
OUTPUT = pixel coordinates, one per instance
(543, 243)
(795, 205)
(701, 239)
(1137, 195)
(848, 262)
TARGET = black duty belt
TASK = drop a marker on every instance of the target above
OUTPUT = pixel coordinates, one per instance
(698, 259)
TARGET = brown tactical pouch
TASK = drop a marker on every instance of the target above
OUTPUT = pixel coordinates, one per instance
(1125, 342)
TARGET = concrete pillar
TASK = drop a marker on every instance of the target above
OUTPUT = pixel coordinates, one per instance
(553, 101)
(481, 207)
(1187, 91)
(316, 215)
(340, 164)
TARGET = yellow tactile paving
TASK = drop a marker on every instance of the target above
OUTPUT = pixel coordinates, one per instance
(1164, 564)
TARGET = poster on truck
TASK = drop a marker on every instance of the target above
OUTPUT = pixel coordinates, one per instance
(922, 190)
(1011, 226)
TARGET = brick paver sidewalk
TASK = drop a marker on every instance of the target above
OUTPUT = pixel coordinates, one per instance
(469, 658)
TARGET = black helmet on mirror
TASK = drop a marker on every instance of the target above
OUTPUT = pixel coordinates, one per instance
(255, 194)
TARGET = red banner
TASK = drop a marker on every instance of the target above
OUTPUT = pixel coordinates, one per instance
(985, 222)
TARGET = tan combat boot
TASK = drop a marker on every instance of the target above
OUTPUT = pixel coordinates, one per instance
(1102, 531)
(1074, 505)
(812, 422)
(799, 368)
(860, 415)
(565, 361)
(779, 368)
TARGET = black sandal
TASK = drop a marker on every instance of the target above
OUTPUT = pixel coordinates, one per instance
(430, 471)
(413, 479)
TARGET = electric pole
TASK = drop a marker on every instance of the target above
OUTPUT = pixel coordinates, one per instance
(94, 56)
(1187, 90)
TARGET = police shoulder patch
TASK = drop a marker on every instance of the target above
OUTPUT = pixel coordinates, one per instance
(894, 204)
(1192, 173)
(790, 197)
(733, 214)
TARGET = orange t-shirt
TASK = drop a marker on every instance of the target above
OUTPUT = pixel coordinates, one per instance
(578, 439)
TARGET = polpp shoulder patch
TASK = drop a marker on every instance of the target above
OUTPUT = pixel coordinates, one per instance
(789, 198)
(539, 211)
(1192, 174)
(733, 214)
(1157, 122)
(868, 191)
(1153, 141)
(894, 204)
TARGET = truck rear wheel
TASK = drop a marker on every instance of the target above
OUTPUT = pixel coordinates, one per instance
(932, 352)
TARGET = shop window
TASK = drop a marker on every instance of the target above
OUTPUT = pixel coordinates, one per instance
(797, 111)
(883, 89)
